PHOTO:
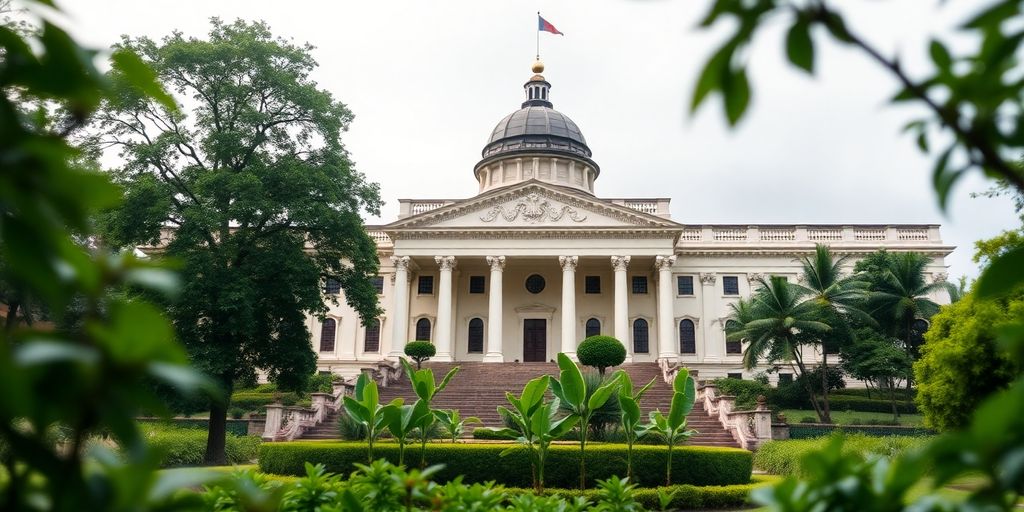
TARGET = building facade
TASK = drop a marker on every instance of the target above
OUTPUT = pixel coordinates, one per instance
(536, 262)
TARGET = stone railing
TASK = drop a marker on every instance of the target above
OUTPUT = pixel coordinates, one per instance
(288, 423)
(419, 207)
(380, 237)
(750, 429)
(811, 233)
(650, 207)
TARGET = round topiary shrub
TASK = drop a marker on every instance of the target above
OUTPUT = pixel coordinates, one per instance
(420, 351)
(601, 352)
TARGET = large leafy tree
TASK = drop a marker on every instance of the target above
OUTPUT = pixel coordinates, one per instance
(839, 298)
(777, 323)
(250, 188)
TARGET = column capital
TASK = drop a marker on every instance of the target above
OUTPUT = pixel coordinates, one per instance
(620, 263)
(445, 262)
(754, 276)
(497, 263)
(568, 262)
(708, 278)
(400, 262)
(664, 262)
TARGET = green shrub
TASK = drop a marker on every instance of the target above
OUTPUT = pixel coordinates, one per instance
(876, 394)
(601, 352)
(269, 387)
(420, 351)
(695, 465)
(854, 403)
(745, 391)
(784, 457)
(186, 446)
(321, 383)
(251, 401)
(236, 413)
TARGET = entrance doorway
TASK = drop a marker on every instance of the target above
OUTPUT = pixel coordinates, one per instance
(535, 340)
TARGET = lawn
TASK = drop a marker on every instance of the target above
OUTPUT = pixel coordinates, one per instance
(853, 417)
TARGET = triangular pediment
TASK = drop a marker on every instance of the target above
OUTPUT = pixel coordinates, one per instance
(533, 205)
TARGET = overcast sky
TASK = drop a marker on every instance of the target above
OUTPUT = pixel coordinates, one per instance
(427, 82)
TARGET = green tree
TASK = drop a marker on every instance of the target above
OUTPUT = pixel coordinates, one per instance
(777, 323)
(254, 194)
(839, 299)
(875, 358)
(961, 363)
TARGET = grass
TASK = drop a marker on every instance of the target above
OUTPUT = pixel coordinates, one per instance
(854, 417)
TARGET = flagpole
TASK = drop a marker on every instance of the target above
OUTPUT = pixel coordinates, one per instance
(538, 36)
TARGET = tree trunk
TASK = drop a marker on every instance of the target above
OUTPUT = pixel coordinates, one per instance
(826, 414)
(808, 388)
(216, 435)
(892, 396)
(12, 316)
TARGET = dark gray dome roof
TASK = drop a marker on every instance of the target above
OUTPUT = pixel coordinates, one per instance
(536, 127)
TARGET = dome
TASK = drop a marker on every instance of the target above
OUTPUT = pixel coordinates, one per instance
(536, 127)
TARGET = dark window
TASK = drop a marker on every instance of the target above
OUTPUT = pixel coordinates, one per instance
(685, 285)
(730, 285)
(639, 284)
(327, 333)
(734, 347)
(687, 337)
(425, 285)
(640, 336)
(371, 343)
(831, 346)
(378, 284)
(332, 286)
(535, 284)
(593, 327)
(785, 378)
(423, 329)
(592, 284)
(477, 284)
(476, 336)
(738, 376)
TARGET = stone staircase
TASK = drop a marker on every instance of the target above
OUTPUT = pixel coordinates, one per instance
(479, 388)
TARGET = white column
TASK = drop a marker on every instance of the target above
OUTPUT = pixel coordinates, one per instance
(494, 311)
(568, 264)
(400, 322)
(667, 348)
(714, 345)
(443, 331)
(621, 315)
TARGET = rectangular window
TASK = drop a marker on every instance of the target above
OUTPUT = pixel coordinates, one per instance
(640, 284)
(733, 347)
(332, 286)
(425, 285)
(592, 284)
(378, 284)
(730, 285)
(738, 376)
(684, 285)
(785, 378)
(477, 284)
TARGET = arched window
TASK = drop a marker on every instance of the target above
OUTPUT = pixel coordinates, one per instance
(476, 336)
(641, 341)
(423, 329)
(371, 343)
(687, 337)
(593, 327)
(327, 333)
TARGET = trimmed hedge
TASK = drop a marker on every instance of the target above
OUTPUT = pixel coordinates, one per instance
(253, 401)
(186, 446)
(855, 403)
(234, 427)
(784, 457)
(810, 431)
(694, 465)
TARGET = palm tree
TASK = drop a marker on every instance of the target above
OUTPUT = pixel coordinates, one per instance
(839, 299)
(899, 297)
(775, 323)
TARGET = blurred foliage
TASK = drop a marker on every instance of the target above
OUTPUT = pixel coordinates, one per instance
(93, 375)
(975, 103)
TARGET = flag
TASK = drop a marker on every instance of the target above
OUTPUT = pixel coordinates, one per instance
(544, 26)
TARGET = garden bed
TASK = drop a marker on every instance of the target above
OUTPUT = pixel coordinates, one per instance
(693, 465)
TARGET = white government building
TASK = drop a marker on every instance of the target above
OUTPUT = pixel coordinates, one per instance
(536, 262)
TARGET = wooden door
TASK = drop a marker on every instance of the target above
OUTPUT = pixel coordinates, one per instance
(535, 342)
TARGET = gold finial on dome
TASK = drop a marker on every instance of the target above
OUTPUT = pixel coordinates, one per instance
(538, 66)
